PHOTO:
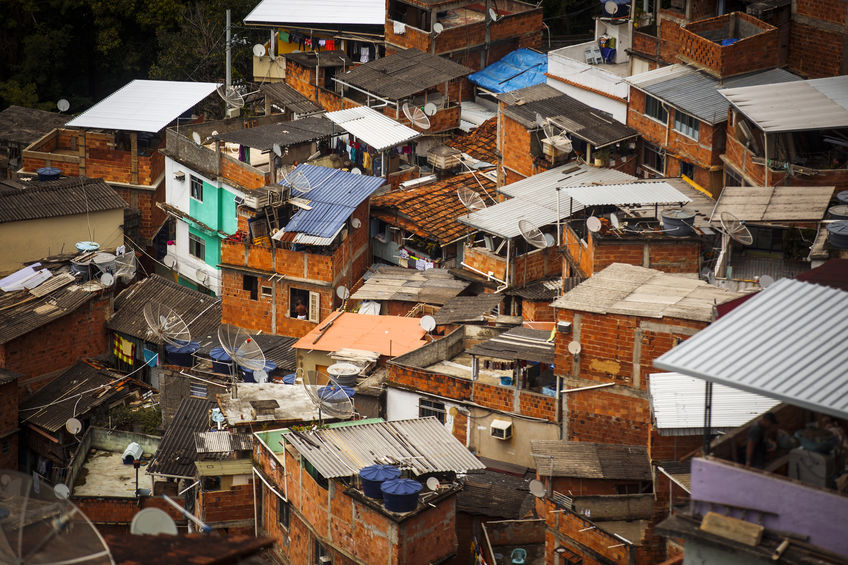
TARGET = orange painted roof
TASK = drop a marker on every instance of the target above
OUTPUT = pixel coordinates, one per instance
(386, 335)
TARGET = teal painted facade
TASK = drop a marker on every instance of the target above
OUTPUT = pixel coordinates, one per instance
(218, 211)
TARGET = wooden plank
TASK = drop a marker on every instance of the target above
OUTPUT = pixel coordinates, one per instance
(733, 529)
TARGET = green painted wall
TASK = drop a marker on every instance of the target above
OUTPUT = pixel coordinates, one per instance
(212, 245)
(218, 211)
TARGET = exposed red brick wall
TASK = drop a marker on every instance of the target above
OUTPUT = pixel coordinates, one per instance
(120, 511)
(535, 265)
(227, 505)
(670, 256)
(646, 44)
(805, 49)
(831, 11)
(242, 173)
(754, 53)
(537, 311)
(537, 405)
(579, 535)
(9, 425)
(485, 261)
(428, 381)
(672, 448)
(515, 148)
(585, 487)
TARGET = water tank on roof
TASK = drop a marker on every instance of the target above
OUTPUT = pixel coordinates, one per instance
(105, 262)
(837, 234)
(400, 495)
(221, 362)
(48, 173)
(842, 197)
(374, 476)
(181, 355)
(131, 453)
(678, 222)
(839, 212)
(290, 379)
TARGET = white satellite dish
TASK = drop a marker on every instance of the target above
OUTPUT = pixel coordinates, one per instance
(433, 483)
(610, 8)
(532, 234)
(231, 96)
(342, 292)
(438, 28)
(107, 280)
(428, 323)
(420, 119)
(196, 137)
(153, 521)
(356, 171)
(734, 227)
(408, 111)
(259, 50)
(537, 488)
(63, 105)
(593, 224)
(493, 15)
(260, 376)
(201, 275)
(73, 426)
(470, 199)
(766, 281)
(575, 348)
(278, 151)
(170, 261)
(430, 108)
(614, 221)
(355, 223)
(61, 491)
(550, 239)
(545, 125)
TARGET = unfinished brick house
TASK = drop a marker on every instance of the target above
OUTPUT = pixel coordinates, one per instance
(318, 509)
(462, 30)
(115, 141)
(9, 420)
(313, 249)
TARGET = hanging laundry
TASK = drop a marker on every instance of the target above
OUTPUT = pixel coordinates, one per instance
(399, 28)
(366, 162)
(331, 44)
(151, 358)
(123, 349)
(322, 42)
(283, 36)
(363, 55)
(308, 42)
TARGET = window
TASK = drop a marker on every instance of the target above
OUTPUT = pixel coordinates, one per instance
(732, 178)
(211, 483)
(653, 158)
(686, 124)
(251, 284)
(196, 246)
(283, 512)
(431, 408)
(304, 305)
(267, 291)
(196, 188)
(322, 556)
(687, 170)
(260, 505)
(655, 110)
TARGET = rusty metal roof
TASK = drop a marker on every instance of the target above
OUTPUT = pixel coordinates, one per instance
(467, 308)
(177, 452)
(518, 343)
(291, 99)
(580, 459)
(433, 286)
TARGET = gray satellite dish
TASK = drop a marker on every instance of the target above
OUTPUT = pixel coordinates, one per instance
(63, 105)
(438, 28)
(355, 171)
(428, 323)
(575, 348)
(258, 50)
(430, 108)
(107, 280)
(73, 426)
(342, 292)
(532, 234)
(153, 521)
(537, 488)
(766, 281)
(433, 483)
(493, 15)
(593, 224)
(278, 151)
(61, 491)
(614, 221)
(550, 239)
(611, 8)
(196, 137)
(355, 223)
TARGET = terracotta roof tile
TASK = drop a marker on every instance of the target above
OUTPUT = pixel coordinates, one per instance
(480, 143)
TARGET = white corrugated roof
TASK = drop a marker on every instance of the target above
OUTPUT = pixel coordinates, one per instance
(281, 12)
(502, 218)
(543, 185)
(820, 103)
(774, 203)
(632, 194)
(144, 105)
(787, 342)
(373, 127)
(677, 402)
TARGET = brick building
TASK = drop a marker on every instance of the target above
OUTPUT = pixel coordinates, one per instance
(9, 420)
(317, 509)
(118, 140)
(313, 252)
(19, 127)
(407, 292)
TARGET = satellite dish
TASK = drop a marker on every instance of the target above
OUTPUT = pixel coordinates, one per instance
(153, 521)
(537, 488)
(575, 348)
(231, 96)
(259, 50)
(201, 275)
(165, 324)
(545, 125)
(170, 261)
(241, 347)
(532, 234)
(550, 239)
(196, 137)
(430, 108)
(278, 151)
(63, 105)
(734, 227)
(766, 281)
(433, 483)
(73, 426)
(331, 399)
(298, 181)
(355, 171)
(314, 156)
(107, 280)
(408, 111)
(61, 491)
(342, 292)
(493, 15)
(420, 119)
(438, 28)
(355, 223)
(610, 8)
(470, 199)
(593, 224)
(125, 267)
(428, 323)
(614, 221)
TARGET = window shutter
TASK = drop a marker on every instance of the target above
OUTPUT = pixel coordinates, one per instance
(314, 306)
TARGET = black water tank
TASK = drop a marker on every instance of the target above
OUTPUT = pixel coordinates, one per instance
(49, 173)
(837, 234)
(678, 222)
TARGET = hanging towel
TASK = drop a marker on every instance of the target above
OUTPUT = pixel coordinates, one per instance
(283, 36)
(363, 55)
(331, 44)
(322, 42)
(399, 28)
(366, 162)
(151, 358)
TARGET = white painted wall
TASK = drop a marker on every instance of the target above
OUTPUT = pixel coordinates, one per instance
(403, 405)
(562, 63)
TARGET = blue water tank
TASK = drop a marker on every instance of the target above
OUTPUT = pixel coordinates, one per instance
(333, 392)
(375, 475)
(48, 173)
(290, 379)
(85, 246)
(248, 374)
(842, 197)
(400, 495)
(180, 355)
(221, 361)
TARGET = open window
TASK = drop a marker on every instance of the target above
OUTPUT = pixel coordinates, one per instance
(304, 305)
(251, 284)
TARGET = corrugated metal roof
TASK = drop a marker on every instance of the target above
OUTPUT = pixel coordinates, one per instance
(222, 442)
(423, 445)
(787, 343)
(177, 452)
(374, 128)
(290, 99)
(542, 187)
(633, 194)
(433, 286)
(518, 343)
(580, 459)
(144, 105)
(638, 291)
(696, 93)
(34, 199)
(820, 103)
(281, 12)
(502, 218)
(334, 196)
(283, 134)
(774, 203)
(467, 308)
(677, 403)
(22, 314)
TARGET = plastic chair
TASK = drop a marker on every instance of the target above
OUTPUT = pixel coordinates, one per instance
(518, 555)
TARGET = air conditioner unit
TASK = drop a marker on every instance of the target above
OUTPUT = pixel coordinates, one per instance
(563, 327)
(179, 175)
(501, 429)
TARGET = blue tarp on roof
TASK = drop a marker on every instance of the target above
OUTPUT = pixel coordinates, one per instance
(519, 69)
(334, 196)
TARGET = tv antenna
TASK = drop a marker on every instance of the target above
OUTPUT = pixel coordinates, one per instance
(165, 324)
(470, 199)
(63, 105)
(532, 234)
(153, 521)
(331, 399)
(731, 228)
(40, 525)
(231, 96)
